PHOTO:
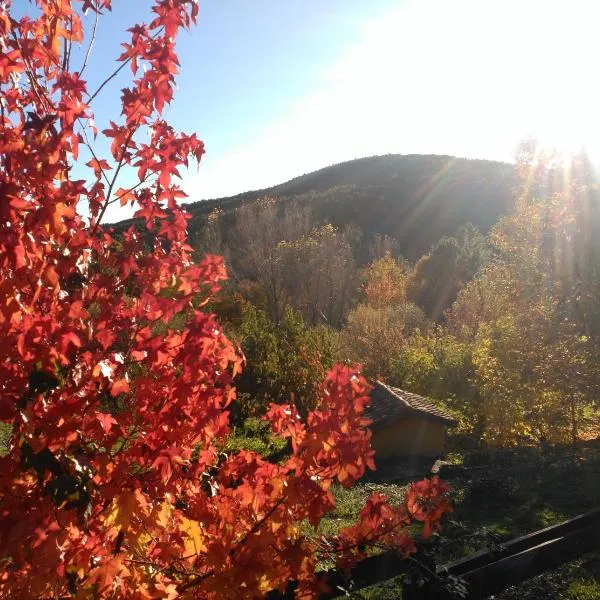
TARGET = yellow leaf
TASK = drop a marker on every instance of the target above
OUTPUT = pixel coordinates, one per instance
(127, 505)
(163, 515)
(193, 537)
(140, 542)
(264, 584)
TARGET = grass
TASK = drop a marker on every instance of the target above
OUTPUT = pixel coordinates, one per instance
(583, 589)
(350, 501)
(254, 435)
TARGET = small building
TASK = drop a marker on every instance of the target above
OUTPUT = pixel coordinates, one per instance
(406, 424)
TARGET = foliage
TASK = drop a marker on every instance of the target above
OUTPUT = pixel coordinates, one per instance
(439, 366)
(255, 435)
(437, 277)
(114, 484)
(583, 589)
(376, 336)
(285, 362)
(385, 281)
(526, 317)
(5, 435)
(319, 273)
(292, 261)
(414, 199)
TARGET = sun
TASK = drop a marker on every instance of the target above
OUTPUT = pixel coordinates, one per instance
(564, 136)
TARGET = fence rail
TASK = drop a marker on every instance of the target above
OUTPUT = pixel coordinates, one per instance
(492, 571)
(483, 573)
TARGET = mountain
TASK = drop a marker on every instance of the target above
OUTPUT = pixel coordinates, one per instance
(414, 198)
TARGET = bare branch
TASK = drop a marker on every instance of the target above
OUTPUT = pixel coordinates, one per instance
(91, 44)
(114, 179)
(118, 70)
(88, 144)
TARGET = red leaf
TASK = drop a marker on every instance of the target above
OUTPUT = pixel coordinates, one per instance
(99, 166)
(106, 421)
(68, 340)
(106, 338)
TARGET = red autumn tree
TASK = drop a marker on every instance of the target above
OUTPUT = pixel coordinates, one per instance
(114, 485)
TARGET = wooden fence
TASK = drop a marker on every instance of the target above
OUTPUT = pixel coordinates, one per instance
(483, 573)
(492, 571)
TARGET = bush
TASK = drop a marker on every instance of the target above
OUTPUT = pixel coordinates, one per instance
(255, 435)
(286, 362)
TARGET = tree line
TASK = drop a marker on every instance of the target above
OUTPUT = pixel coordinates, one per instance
(502, 328)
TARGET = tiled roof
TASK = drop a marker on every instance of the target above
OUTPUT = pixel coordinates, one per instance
(388, 404)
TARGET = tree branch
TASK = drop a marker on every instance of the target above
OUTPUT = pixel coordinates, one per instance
(118, 70)
(200, 578)
(89, 147)
(92, 40)
(137, 185)
(114, 179)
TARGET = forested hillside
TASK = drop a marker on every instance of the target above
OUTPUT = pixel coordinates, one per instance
(415, 198)
(473, 282)
(469, 281)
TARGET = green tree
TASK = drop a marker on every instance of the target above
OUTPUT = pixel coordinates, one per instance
(285, 361)
(531, 326)
(376, 336)
(438, 276)
(439, 365)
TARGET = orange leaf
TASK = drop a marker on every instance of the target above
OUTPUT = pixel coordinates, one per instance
(119, 387)
(128, 505)
(99, 166)
(104, 576)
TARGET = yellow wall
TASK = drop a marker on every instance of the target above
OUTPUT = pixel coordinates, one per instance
(410, 436)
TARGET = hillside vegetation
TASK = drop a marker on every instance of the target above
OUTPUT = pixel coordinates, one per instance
(474, 283)
(183, 398)
(469, 281)
(416, 199)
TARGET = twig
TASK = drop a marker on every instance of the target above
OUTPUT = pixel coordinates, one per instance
(89, 146)
(137, 185)
(67, 47)
(114, 179)
(112, 76)
(118, 70)
(30, 75)
(200, 578)
(124, 440)
(373, 542)
(92, 40)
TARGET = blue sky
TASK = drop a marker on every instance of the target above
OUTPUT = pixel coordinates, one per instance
(277, 88)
